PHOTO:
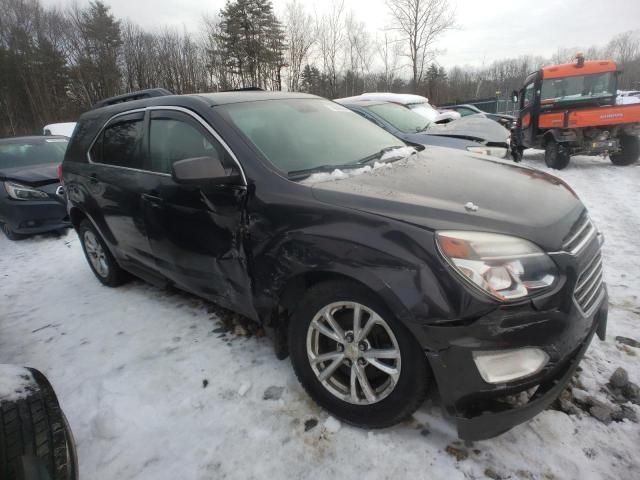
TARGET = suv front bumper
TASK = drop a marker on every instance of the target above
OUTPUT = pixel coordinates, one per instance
(479, 409)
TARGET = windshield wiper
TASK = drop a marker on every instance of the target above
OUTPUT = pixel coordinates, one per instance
(378, 155)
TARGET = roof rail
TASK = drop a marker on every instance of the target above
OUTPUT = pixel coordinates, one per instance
(244, 89)
(128, 97)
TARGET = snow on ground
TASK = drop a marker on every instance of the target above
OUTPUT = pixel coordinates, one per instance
(129, 366)
(15, 383)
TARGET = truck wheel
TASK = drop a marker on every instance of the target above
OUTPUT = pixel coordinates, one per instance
(517, 153)
(556, 155)
(35, 439)
(630, 152)
(354, 358)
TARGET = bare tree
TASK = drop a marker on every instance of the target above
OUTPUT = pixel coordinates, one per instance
(331, 37)
(358, 54)
(301, 33)
(419, 23)
(389, 51)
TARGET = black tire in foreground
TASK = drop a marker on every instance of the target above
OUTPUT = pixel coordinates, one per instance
(11, 235)
(556, 155)
(630, 152)
(371, 375)
(36, 442)
(102, 263)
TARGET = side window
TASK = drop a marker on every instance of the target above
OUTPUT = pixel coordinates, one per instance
(120, 143)
(465, 111)
(175, 136)
(528, 95)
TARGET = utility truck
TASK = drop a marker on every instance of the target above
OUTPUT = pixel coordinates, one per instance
(572, 109)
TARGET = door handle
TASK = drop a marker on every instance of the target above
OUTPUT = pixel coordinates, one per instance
(93, 178)
(153, 200)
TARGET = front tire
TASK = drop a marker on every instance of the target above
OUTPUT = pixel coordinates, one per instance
(354, 358)
(102, 263)
(556, 155)
(630, 152)
(11, 235)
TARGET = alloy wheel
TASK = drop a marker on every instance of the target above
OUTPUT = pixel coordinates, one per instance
(353, 353)
(96, 254)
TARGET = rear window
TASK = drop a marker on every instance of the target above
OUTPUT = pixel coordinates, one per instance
(39, 152)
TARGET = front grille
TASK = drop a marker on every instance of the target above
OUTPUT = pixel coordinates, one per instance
(590, 285)
(580, 235)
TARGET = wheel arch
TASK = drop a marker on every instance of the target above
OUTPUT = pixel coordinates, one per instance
(290, 296)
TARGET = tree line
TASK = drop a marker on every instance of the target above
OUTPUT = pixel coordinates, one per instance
(57, 62)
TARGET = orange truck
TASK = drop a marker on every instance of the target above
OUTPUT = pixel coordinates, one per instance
(572, 109)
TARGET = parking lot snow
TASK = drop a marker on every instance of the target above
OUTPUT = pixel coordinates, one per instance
(154, 388)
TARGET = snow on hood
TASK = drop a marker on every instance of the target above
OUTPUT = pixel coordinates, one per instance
(15, 383)
(338, 174)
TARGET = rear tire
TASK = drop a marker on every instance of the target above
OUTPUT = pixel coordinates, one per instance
(102, 263)
(630, 152)
(11, 235)
(382, 398)
(556, 155)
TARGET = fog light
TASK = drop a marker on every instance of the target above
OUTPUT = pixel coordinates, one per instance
(506, 365)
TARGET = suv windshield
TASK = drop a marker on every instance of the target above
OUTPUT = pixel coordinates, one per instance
(303, 134)
(35, 152)
(578, 88)
(400, 117)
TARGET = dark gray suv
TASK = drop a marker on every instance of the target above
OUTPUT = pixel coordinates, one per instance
(379, 268)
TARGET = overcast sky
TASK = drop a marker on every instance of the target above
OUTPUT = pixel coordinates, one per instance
(487, 29)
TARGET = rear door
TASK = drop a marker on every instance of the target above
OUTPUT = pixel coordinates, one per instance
(115, 187)
(196, 232)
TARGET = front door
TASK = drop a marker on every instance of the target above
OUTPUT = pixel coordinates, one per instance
(196, 232)
(527, 114)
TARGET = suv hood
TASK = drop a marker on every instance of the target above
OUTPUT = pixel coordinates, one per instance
(431, 189)
(32, 174)
(479, 129)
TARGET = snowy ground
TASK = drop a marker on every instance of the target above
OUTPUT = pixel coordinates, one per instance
(130, 365)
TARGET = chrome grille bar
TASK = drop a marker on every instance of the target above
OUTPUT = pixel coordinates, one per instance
(589, 286)
(582, 233)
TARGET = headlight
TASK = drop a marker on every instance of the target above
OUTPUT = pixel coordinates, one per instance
(21, 192)
(493, 151)
(505, 267)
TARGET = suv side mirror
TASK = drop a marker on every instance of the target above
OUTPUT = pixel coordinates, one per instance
(201, 170)
(514, 96)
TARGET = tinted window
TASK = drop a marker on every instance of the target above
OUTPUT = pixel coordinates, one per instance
(37, 152)
(173, 137)
(298, 134)
(120, 144)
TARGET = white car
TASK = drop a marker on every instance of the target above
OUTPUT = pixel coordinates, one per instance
(628, 97)
(417, 103)
(65, 129)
